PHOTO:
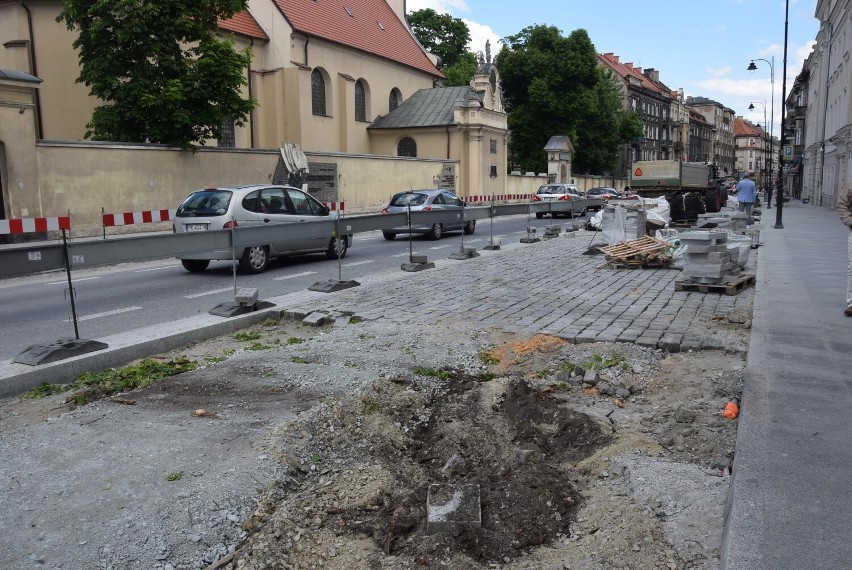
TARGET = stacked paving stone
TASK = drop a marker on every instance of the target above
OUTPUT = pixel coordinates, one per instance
(707, 258)
(737, 221)
(621, 224)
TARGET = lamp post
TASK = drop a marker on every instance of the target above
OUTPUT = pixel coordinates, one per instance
(767, 163)
(752, 67)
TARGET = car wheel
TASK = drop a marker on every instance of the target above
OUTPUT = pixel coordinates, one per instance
(254, 259)
(539, 215)
(195, 265)
(436, 232)
(333, 244)
(469, 227)
(389, 236)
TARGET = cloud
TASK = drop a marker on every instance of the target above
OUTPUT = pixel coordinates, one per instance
(719, 72)
(440, 6)
(479, 34)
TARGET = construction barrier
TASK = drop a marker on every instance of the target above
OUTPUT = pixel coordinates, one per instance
(495, 198)
(130, 218)
(31, 225)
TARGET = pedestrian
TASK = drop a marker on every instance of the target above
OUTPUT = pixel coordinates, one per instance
(746, 193)
(769, 197)
(844, 208)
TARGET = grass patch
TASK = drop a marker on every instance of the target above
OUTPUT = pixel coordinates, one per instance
(176, 476)
(269, 323)
(485, 377)
(44, 390)
(298, 360)
(259, 346)
(214, 359)
(246, 336)
(489, 358)
(371, 406)
(433, 372)
(295, 340)
(93, 385)
(566, 367)
(353, 320)
(543, 374)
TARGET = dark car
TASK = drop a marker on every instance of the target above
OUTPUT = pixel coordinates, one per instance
(427, 201)
(604, 193)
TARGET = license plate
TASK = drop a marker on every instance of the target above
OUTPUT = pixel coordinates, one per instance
(195, 227)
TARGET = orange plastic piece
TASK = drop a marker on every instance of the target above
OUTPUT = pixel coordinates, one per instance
(731, 411)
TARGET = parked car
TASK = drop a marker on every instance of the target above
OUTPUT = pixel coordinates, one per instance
(256, 205)
(556, 192)
(427, 201)
(604, 193)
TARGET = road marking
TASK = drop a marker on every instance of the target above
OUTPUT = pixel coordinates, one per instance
(73, 281)
(107, 313)
(293, 276)
(405, 254)
(440, 247)
(213, 292)
(358, 263)
(155, 268)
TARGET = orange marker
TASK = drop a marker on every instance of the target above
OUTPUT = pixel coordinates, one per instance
(731, 410)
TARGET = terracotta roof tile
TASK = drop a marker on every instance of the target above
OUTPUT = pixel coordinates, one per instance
(626, 70)
(244, 24)
(744, 128)
(368, 25)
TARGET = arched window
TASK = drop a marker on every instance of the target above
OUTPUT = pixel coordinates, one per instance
(360, 101)
(406, 147)
(317, 93)
(393, 99)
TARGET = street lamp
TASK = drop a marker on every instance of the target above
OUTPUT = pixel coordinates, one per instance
(752, 67)
(767, 163)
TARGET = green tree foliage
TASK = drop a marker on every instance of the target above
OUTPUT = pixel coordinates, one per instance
(553, 85)
(446, 37)
(161, 71)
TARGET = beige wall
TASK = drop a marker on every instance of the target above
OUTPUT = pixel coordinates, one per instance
(84, 177)
(18, 168)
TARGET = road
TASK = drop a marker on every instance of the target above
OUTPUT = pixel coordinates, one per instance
(109, 300)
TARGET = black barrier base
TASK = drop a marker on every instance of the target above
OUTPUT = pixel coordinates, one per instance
(530, 240)
(492, 247)
(231, 309)
(464, 253)
(411, 267)
(63, 348)
(332, 285)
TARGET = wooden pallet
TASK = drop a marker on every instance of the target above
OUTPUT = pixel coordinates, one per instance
(732, 288)
(642, 252)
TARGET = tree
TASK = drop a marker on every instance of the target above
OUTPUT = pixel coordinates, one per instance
(159, 67)
(446, 37)
(553, 85)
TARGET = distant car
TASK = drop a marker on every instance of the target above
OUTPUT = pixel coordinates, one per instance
(427, 201)
(256, 205)
(604, 193)
(556, 192)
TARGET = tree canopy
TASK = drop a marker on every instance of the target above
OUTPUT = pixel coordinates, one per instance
(446, 37)
(553, 85)
(160, 69)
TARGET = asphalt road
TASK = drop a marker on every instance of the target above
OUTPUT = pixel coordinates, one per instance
(37, 310)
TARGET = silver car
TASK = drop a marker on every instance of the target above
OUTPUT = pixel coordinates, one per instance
(427, 201)
(554, 193)
(256, 205)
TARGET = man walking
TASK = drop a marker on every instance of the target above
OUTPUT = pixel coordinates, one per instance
(746, 193)
(844, 208)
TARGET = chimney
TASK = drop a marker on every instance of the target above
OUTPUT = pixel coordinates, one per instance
(652, 74)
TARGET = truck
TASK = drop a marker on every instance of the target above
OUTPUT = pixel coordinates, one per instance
(675, 179)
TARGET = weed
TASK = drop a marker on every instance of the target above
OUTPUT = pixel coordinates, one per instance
(600, 363)
(489, 358)
(259, 346)
(563, 385)
(353, 320)
(176, 476)
(370, 406)
(485, 377)
(245, 336)
(543, 374)
(214, 359)
(566, 367)
(433, 372)
(44, 390)
(228, 352)
(298, 360)
(316, 458)
(269, 323)
(295, 340)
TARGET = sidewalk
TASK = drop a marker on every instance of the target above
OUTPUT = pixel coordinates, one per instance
(791, 497)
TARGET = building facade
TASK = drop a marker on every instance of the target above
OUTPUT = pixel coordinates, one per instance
(721, 119)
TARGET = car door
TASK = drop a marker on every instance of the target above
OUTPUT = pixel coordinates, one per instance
(308, 209)
(276, 208)
(453, 204)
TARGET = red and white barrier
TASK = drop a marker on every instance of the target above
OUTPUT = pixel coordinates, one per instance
(31, 225)
(334, 206)
(495, 198)
(130, 218)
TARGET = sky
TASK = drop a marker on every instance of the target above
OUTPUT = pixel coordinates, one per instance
(700, 46)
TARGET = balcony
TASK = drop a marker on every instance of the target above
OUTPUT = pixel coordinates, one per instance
(666, 142)
(799, 111)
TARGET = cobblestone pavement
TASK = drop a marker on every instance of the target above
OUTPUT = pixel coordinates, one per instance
(516, 289)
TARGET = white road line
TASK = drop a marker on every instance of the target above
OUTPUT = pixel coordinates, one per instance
(73, 281)
(357, 263)
(440, 247)
(293, 276)
(213, 292)
(107, 313)
(155, 268)
(405, 254)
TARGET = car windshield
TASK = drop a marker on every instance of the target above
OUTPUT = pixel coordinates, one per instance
(205, 203)
(552, 189)
(408, 198)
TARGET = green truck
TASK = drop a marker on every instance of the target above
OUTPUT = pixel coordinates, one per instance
(674, 179)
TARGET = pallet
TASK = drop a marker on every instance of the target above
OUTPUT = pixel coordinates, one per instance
(733, 288)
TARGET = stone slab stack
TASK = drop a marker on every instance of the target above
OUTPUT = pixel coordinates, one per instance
(622, 224)
(737, 221)
(707, 258)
